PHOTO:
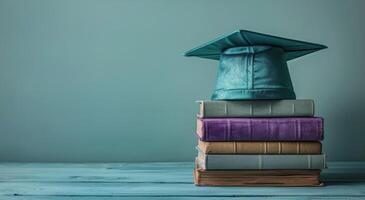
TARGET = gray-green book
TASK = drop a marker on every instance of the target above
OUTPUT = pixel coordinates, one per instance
(257, 108)
(243, 162)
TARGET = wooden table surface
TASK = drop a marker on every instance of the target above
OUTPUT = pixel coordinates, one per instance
(344, 180)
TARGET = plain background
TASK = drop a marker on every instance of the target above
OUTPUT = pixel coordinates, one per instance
(106, 81)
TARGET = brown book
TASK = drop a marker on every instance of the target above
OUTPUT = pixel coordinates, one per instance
(260, 147)
(257, 178)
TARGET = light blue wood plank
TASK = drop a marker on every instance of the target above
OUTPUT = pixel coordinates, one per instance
(175, 198)
(174, 190)
(153, 173)
(156, 180)
(139, 172)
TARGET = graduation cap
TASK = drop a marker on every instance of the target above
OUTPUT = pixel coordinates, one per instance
(253, 65)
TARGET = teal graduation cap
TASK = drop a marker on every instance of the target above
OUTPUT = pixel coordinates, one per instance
(253, 65)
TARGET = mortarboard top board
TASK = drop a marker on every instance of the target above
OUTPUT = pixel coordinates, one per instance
(253, 65)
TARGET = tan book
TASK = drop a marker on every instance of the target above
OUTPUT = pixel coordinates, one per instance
(258, 178)
(260, 147)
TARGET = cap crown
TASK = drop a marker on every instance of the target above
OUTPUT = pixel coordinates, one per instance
(255, 72)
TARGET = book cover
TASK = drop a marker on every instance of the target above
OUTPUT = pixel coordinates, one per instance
(260, 108)
(260, 147)
(257, 178)
(236, 161)
(260, 129)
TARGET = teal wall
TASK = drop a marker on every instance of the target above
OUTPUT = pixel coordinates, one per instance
(93, 80)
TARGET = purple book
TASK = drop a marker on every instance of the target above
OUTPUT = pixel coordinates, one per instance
(260, 129)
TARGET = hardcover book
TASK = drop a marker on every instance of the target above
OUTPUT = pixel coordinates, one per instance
(260, 129)
(241, 162)
(260, 147)
(261, 108)
(257, 178)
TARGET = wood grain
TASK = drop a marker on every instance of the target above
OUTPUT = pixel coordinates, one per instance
(136, 181)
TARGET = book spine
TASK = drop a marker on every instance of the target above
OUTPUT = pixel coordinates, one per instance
(261, 129)
(260, 147)
(263, 162)
(255, 178)
(277, 108)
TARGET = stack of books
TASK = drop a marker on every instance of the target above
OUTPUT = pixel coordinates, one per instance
(264, 142)
(254, 132)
